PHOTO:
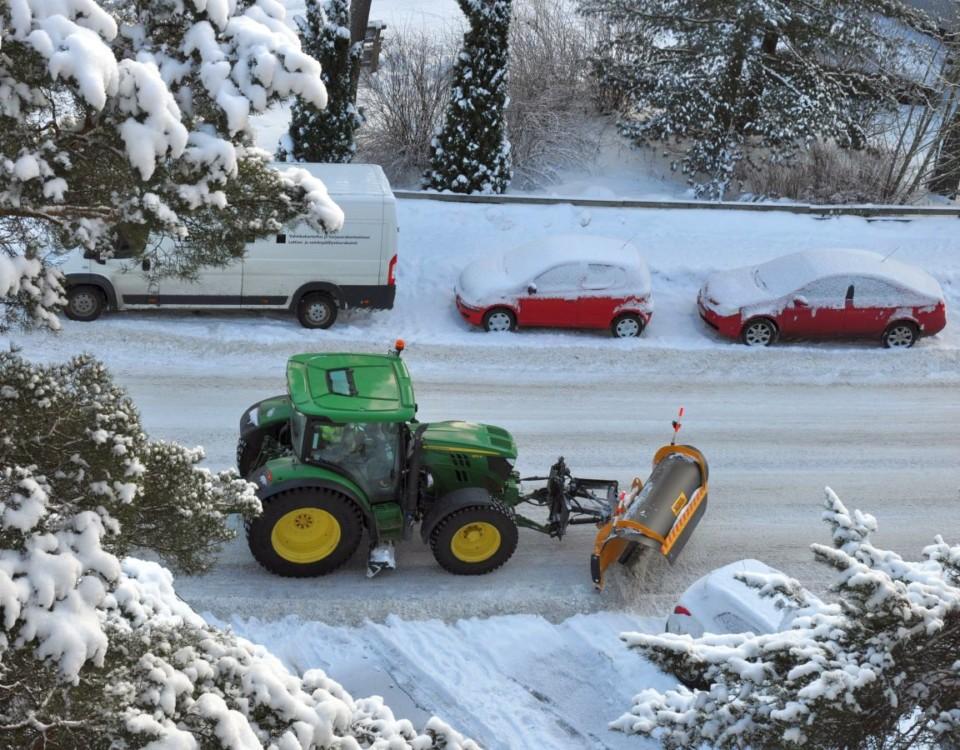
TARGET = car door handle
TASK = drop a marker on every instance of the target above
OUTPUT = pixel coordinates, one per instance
(145, 264)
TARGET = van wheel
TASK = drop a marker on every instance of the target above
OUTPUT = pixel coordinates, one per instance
(317, 310)
(84, 303)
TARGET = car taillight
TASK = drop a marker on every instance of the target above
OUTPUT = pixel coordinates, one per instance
(681, 610)
(391, 272)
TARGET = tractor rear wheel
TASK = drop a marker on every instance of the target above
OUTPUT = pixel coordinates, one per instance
(474, 540)
(305, 532)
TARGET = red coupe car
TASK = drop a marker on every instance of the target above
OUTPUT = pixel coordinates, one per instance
(563, 281)
(824, 294)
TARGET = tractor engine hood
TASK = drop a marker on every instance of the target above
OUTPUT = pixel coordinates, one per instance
(465, 437)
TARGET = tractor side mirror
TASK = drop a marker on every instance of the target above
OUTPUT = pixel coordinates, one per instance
(531, 289)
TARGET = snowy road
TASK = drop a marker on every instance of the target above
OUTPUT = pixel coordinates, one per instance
(890, 449)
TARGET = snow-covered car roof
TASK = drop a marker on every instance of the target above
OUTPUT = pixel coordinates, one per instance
(510, 270)
(790, 273)
(719, 593)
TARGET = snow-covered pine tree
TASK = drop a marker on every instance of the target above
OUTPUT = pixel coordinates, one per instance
(718, 76)
(879, 670)
(133, 119)
(471, 152)
(326, 134)
(98, 652)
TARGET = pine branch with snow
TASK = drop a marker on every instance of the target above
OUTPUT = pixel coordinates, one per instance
(99, 652)
(131, 121)
(877, 670)
(326, 134)
(471, 152)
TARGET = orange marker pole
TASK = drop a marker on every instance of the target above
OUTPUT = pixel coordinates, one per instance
(677, 424)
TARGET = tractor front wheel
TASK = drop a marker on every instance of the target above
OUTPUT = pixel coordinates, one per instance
(474, 540)
(305, 532)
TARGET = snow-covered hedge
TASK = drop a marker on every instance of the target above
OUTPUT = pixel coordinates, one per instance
(878, 669)
(99, 652)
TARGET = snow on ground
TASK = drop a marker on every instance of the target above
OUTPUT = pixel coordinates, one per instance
(513, 683)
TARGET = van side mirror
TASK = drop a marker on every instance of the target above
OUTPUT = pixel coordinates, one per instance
(531, 289)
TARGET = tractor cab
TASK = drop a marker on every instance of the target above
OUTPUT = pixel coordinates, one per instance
(349, 414)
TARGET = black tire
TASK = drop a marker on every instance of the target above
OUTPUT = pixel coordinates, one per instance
(457, 522)
(626, 326)
(84, 302)
(260, 531)
(317, 310)
(499, 319)
(759, 332)
(901, 335)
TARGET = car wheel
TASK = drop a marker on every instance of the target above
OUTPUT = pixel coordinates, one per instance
(317, 310)
(627, 326)
(759, 332)
(499, 319)
(305, 532)
(900, 335)
(84, 303)
(474, 540)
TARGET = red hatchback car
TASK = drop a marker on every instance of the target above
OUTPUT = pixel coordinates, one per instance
(562, 281)
(824, 294)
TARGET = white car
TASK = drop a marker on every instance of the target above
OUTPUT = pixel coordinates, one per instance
(563, 281)
(718, 603)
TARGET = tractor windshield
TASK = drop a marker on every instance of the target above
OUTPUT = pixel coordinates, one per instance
(368, 452)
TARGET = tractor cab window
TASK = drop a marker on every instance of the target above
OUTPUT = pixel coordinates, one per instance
(368, 452)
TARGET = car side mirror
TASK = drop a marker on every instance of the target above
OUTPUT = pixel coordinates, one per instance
(800, 301)
(531, 289)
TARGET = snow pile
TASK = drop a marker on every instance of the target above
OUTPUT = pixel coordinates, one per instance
(887, 650)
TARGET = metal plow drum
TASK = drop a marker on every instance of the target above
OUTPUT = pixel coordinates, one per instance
(660, 514)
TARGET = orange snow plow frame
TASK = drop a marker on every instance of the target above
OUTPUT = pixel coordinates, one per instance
(671, 508)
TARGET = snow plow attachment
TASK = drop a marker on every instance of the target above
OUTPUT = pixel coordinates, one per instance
(660, 514)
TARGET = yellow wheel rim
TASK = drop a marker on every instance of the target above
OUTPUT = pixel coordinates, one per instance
(475, 542)
(305, 535)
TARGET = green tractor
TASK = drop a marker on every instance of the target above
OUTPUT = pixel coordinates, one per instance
(342, 453)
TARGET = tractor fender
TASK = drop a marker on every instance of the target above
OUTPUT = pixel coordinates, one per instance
(465, 497)
(265, 493)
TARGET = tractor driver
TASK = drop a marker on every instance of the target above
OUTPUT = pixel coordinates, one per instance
(367, 451)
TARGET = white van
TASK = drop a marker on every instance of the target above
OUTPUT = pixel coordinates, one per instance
(311, 274)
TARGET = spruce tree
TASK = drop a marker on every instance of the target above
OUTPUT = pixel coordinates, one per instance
(326, 135)
(719, 77)
(878, 670)
(471, 152)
